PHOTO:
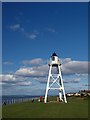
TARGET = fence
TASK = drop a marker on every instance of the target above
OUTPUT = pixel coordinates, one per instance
(14, 100)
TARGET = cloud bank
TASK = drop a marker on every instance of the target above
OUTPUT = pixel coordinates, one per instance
(34, 74)
(72, 67)
(40, 69)
(37, 68)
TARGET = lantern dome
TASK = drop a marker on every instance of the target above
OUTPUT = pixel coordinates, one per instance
(54, 60)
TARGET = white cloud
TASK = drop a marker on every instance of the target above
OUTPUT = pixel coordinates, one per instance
(15, 27)
(14, 80)
(50, 29)
(11, 78)
(25, 72)
(85, 76)
(7, 77)
(20, 78)
(66, 60)
(32, 35)
(73, 80)
(38, 71)
(37, 61)
(2, 83)
(24, 83)
(72, 67)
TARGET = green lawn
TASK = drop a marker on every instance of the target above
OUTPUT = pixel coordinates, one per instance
(75, 108)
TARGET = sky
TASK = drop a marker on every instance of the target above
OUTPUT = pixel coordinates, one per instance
(31, 32)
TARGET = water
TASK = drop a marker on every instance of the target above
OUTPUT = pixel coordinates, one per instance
(12, 99)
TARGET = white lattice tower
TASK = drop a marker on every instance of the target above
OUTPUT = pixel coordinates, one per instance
(56, 79)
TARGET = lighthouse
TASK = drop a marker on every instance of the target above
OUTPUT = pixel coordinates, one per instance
(55, 77)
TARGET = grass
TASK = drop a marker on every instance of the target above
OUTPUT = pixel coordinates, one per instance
(75, 108)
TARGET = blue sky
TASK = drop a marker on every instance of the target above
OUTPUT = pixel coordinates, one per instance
(31, 33)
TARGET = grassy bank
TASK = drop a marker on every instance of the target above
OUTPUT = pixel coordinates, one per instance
(75, 108)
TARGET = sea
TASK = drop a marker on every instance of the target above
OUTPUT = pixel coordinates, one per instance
(12, 99)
